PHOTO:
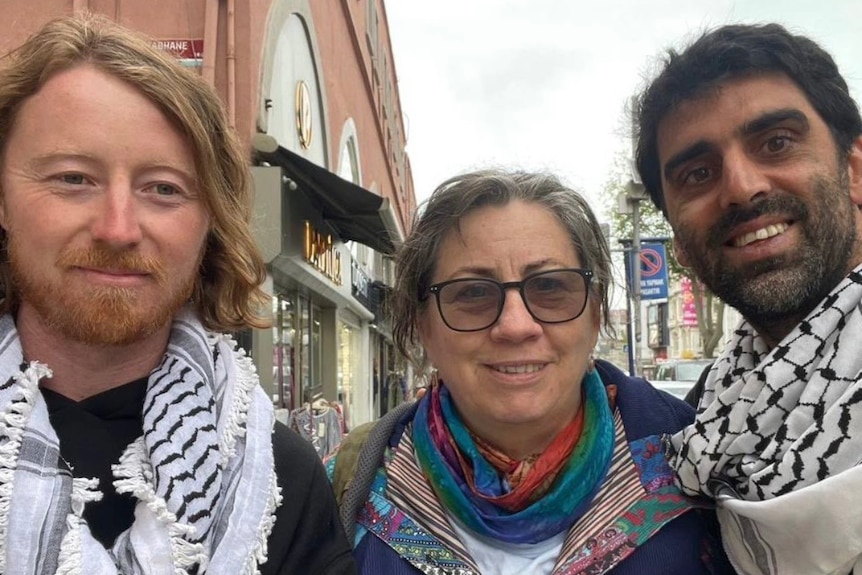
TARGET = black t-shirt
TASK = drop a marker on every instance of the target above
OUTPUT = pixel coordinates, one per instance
(93, 434)
(307, 536)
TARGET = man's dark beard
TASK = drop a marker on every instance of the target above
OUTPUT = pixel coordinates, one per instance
(789, 286)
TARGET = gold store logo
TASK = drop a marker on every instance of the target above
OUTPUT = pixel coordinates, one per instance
(303, 114)
(322, 254)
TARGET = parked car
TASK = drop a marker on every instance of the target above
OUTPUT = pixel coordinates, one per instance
(678, 376)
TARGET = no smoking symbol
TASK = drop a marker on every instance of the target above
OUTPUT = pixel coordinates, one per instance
(651, 263)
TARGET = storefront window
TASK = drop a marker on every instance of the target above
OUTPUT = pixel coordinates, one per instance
(303, 366)
(376, 379)
(390, 386)
(314, 357)
(309, 365)
(284, 337)
(396, 377)
(349, 356)
(296, 350)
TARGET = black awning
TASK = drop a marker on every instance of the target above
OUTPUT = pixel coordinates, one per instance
(354, 212)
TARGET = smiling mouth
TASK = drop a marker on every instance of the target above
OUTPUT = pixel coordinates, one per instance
(765, 233)
(115, 272)
(516, 369)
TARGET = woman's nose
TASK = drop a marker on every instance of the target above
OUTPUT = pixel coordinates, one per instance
(515, 321)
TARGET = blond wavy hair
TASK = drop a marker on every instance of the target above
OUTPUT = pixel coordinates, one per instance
(227, 292)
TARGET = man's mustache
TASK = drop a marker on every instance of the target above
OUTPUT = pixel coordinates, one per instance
(120, 261)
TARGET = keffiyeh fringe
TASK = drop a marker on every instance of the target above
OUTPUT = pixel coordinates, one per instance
(203, 412)
(24, 386)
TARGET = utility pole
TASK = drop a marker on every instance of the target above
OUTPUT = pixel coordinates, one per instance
(629, 203)
(635, 192)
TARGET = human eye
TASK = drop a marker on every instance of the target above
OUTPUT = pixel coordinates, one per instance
(558, 292)
(777, 144)
(550, 290)
(696, 175)
(548, 284)
(470, 291)
(166, 192)
(470, 296)
(165, 189)
(71, 179)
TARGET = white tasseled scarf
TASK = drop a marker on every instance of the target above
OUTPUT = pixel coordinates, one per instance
(777, 441)
(202, 471)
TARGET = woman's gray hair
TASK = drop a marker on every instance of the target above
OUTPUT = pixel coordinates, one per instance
(452, 200)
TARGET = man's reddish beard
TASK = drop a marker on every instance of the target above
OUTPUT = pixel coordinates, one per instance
(103, 315)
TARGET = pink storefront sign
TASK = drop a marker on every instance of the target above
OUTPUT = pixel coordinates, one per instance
(689, 310)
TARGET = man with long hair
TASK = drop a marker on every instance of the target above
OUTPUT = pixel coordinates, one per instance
(134, 436)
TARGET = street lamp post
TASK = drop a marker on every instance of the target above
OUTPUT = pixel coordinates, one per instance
(629, 203)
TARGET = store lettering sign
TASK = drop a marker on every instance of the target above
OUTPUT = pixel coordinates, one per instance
(190, 52)
(360, 284)
(321, 253)
(689, 309)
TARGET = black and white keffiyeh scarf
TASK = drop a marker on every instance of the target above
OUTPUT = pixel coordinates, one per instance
(778, 439)
(202, 471)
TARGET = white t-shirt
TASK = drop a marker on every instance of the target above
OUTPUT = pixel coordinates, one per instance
(495, 557)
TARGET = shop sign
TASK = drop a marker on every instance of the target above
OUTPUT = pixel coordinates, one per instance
(360, 285)
(322, 254)
(689, 310)
(190, 52)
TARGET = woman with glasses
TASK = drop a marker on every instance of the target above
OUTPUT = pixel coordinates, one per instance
(526, 456)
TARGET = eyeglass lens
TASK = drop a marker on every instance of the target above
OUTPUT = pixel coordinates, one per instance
(551, 297)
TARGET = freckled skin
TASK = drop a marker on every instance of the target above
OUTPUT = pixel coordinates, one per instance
(106, 226)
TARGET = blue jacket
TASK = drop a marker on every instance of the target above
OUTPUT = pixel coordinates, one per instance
(685, 544)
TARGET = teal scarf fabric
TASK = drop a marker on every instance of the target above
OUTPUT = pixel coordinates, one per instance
(568, 498)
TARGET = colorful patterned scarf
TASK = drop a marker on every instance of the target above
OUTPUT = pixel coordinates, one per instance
(472, 490)
(529, 478)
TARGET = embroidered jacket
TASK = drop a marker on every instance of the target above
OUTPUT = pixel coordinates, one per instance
(639, 523)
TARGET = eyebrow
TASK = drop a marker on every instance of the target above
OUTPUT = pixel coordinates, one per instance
(751, 127)
(45, 160)
(770, 119)
(190, 179)
(699, 148)
(489, 273)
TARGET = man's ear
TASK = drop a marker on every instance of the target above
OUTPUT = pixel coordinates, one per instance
(679, 253)
(854, 171)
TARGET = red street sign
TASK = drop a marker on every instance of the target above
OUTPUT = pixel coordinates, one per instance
(184, 49)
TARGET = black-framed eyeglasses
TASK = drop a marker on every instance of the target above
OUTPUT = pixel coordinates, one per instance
(474, 304)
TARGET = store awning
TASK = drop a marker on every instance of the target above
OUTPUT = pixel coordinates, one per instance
(354, 212)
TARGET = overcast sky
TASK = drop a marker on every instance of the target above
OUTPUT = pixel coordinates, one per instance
(543, 84)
